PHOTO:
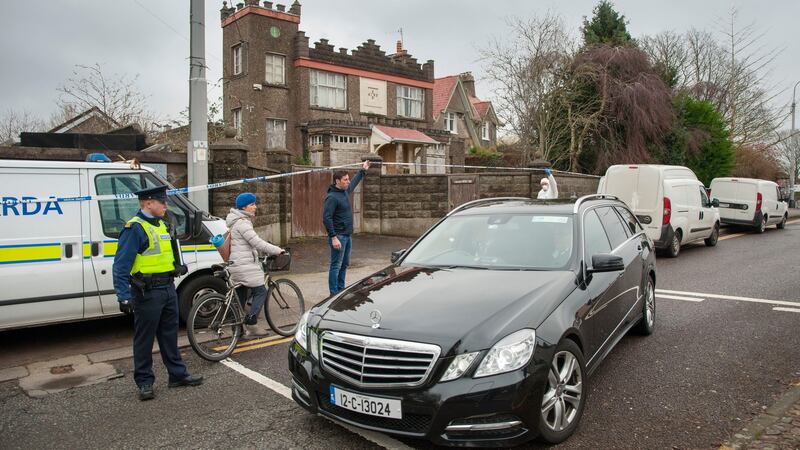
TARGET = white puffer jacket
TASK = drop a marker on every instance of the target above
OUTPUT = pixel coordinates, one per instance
(246, 247)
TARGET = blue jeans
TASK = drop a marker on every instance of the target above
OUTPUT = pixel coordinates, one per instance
(259, 295)
(340, 259)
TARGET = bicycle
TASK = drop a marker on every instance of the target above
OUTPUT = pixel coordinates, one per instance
(216, 321)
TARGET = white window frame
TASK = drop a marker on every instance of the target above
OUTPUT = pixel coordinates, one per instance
(277, 124)
(342, 139)
(275, 69)
(315, 140)
(410, 102)
(451, 122)
(328, 90)
(485, 131)
(237, 121)
(237, 59)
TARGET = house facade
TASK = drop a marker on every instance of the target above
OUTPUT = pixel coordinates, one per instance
(458, 110)
(331, 106)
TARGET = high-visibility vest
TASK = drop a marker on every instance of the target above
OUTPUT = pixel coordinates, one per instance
(158, 257)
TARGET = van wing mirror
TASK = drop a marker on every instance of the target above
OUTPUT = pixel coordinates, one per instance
(397, 254)
(196, 224)
(604, 262)
(715, 203)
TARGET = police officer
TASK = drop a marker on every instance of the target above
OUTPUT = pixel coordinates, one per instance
(146, 263)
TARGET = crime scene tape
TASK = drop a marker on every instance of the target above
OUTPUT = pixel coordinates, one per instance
(205, 187)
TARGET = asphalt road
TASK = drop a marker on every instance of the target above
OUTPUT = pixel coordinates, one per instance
(712, 364)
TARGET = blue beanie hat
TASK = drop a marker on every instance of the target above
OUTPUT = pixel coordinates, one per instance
(244, 199)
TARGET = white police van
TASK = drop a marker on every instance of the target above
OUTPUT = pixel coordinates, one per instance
(56, 256)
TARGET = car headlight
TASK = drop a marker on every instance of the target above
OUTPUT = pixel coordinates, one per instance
(301, 335)
(511, 353)
(459, 365)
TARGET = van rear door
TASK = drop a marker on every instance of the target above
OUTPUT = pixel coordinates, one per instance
(640, 188)
(41, 257)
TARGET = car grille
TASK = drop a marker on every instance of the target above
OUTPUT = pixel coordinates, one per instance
(410, 423)
(376, 362)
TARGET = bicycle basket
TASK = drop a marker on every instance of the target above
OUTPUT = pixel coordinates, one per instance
(278, 263)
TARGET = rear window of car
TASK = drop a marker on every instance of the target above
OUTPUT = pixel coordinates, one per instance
(499, 241)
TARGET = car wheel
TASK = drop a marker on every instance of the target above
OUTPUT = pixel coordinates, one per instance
(762, 225)
(564, 395)
(646, 326)
(714, 238)
(782, 223)
(675, 246)
(196, 288)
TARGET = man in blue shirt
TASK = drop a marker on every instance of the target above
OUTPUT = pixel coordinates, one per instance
(337, 216)
(145, 265)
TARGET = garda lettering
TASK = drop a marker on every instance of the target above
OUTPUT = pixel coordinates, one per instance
(13, 206)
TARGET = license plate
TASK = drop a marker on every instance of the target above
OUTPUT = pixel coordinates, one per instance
(366, 404)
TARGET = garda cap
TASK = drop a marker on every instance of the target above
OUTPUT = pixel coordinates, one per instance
(156, 193)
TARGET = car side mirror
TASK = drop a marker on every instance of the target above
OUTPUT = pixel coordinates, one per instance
(715, 203)
(604, 262)
(396, 255)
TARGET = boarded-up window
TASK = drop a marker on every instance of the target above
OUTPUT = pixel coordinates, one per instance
(276, 133)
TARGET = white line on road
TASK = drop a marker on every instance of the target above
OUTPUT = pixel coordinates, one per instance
(374, 437)
(778, 308)
(678, 297)
(730, 297)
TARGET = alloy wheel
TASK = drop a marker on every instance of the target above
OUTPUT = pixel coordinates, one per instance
(650, 309)
(562, 400)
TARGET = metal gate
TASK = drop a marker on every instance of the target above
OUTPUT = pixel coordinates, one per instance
(462, 189)
(308, 195)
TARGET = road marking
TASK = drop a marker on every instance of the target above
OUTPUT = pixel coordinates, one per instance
(730, 297)
(247, 348)
(677, 297)
(795, 310)
(374, 437)
(793, 221)
(731, 236)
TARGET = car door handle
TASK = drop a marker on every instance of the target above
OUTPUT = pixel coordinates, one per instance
(95, 249)
(68, 251)
(639, 247)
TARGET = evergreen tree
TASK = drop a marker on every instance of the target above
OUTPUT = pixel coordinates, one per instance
(709, 151)
(607, 27)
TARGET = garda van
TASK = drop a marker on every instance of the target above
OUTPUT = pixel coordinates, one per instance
(669, 201)
(56, 256)
(750, 202)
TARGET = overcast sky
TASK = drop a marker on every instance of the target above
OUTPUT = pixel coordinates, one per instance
(41, 42)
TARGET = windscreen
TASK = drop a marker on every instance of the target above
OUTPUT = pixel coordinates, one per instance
(502, 241)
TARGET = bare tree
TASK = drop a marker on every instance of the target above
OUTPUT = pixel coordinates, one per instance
(526, 67)
(730, 69)
(787, 152)
(12, 123)
(118, 96)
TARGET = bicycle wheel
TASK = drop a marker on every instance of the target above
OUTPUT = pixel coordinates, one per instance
(214, 326)
(285, 306)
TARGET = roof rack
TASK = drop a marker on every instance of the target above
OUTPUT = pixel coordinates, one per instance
(589, 197)
(484, 200)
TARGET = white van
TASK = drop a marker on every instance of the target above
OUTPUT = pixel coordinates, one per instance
(751, 202)
(669, 201)
(56, 257)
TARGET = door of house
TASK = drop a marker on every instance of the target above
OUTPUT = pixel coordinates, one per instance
(462, 189)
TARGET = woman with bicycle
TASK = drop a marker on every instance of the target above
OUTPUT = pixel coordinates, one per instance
(246, 247)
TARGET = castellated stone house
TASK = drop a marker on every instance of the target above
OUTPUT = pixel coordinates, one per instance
(332, 106)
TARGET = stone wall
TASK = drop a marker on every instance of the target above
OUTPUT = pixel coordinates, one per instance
(403, 205)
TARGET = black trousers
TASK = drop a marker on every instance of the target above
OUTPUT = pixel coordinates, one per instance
(155, 316)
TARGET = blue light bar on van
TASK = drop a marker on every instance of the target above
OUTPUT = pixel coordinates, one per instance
(97, 157)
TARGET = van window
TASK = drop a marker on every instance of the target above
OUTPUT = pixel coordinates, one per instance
(615, 230)
(704, 198)
(114, 214)
(594, 237)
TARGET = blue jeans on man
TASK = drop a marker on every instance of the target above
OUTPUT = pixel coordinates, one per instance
(340, 259)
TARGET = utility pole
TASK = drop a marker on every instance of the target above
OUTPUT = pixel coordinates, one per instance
(197, 147)
(793, 146)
